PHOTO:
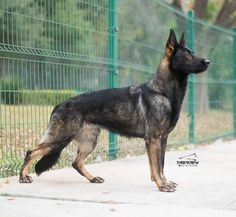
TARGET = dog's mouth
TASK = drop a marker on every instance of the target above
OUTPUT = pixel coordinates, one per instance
(198, 71)
(200, 65)
(202, 68)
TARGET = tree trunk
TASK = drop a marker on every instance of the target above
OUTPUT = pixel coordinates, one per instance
(225, 16)
(177, 4)
(200, 8)
(202, 98)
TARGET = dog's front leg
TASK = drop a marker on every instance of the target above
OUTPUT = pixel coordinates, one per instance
(154, 151)
(163, 151)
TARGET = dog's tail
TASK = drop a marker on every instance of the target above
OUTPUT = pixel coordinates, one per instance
(50, 159)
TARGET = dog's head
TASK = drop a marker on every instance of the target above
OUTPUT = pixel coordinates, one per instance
(181, 59)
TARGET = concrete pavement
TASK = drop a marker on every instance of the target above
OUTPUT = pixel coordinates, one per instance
(209, 189)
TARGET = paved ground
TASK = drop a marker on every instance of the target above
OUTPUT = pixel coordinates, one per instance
(206, 190)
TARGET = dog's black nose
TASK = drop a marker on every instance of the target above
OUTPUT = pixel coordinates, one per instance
(207, 62)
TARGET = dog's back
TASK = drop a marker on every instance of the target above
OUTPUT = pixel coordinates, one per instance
(121, 110)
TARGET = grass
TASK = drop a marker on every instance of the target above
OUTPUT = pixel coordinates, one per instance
(21, 127)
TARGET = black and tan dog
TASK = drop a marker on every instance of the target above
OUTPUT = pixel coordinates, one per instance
(149, 111)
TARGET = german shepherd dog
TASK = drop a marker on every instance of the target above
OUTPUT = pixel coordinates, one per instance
(149, 111)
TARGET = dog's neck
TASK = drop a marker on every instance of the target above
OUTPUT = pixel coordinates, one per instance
(171, 84)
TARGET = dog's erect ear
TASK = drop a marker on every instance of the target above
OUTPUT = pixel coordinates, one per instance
(171, 43)
(182, 40)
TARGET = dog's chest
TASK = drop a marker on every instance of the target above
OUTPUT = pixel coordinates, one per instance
(176, 104)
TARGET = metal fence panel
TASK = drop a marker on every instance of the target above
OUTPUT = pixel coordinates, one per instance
(54, 49)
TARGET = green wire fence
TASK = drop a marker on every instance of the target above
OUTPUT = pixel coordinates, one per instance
(55, 49)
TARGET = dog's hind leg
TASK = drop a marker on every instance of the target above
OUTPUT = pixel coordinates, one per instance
(65, 122)
(86, 140)
(31, 155)
(50, 153)
(52, 143)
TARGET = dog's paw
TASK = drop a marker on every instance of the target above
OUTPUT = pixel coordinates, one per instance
(97, 180)
(165, 187)
(173, 184)
(25, 179)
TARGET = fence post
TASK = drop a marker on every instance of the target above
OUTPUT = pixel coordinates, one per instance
(191, 81)
(234, 79)
(112, 65)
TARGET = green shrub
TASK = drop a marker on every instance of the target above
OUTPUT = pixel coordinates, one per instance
(11, 91)
(46, 97)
